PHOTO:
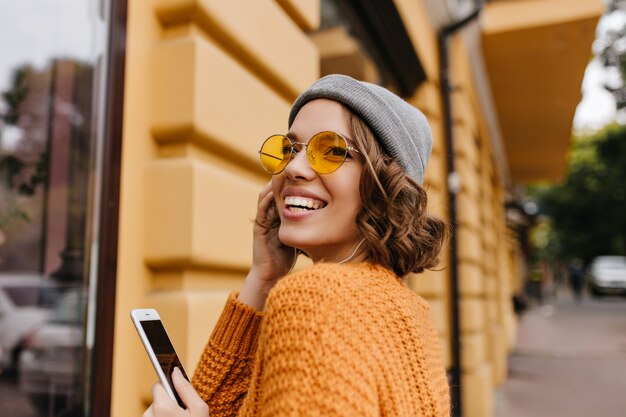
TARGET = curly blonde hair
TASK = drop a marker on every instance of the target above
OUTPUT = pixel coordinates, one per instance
(399, 234)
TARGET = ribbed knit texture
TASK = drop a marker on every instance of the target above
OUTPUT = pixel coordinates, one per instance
(335, 340)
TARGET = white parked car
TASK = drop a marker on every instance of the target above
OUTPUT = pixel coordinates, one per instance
(50, 365)
(20, 314)
(607, 275)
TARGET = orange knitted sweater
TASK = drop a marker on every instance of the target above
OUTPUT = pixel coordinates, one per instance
(334, 340)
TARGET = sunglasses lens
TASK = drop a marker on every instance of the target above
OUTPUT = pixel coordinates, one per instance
(275, 153)
(326, 152)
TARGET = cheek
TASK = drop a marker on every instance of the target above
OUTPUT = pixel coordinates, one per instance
(353, 193)
(347, 192)
(356, 206)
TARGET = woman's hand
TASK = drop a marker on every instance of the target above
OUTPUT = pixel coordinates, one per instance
(164, 406)
(270, 258)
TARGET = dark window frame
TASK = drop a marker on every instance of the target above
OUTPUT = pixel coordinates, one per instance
(379, 24)
(102, 358)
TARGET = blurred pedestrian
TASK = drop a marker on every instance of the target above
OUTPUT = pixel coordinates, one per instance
(520, 303)
(535, 283)
(577, 278)
(347, 336)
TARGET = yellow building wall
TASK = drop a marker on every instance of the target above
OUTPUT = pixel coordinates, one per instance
(431, 285)
(486, 249)
(205, 82)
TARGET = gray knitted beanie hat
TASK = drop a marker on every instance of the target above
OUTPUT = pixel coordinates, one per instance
(401, 129)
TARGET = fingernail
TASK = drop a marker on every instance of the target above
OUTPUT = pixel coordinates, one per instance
(176, 370)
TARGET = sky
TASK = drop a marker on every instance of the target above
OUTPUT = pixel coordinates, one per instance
(597, 107)
(54, 29)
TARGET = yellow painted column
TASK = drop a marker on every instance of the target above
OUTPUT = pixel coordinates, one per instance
(493, 215)
(475, 283)
(434, 285)
(205, 83)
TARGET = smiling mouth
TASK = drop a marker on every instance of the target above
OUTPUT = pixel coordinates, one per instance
(300, 204)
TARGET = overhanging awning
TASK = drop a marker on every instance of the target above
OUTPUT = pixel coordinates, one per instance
(536, 52)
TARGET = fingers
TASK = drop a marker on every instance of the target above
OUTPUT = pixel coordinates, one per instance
(162, 404)
(188, 394)
(266, 200)
(159, 393)
(265, 203)
(265, 190)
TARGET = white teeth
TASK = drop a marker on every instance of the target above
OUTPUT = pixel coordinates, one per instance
(303, 202)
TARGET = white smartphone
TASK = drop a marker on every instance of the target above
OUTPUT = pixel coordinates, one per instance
(159, 347)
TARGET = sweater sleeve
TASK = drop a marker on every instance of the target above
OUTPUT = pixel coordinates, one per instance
(311, 360)
(222, 377)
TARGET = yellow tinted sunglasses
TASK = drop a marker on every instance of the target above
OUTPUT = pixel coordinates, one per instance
(326, 151)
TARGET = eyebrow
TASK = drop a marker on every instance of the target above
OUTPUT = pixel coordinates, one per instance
(292, 136)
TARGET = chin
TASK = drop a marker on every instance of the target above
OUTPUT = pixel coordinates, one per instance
(294, 238)
(304, 238)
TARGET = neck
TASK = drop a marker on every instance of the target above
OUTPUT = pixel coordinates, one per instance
(358, 253)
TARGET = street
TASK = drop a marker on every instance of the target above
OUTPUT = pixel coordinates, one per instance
(570, 360)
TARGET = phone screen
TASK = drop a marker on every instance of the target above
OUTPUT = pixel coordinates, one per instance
(164, 351)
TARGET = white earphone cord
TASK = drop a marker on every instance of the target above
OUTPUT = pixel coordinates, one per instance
(353, 252)
(295, 255)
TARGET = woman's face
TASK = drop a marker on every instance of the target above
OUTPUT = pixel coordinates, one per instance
(327, 230)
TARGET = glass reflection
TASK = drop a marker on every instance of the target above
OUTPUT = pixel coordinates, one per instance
(47, 142)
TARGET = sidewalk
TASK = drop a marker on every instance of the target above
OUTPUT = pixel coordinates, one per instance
(570, 361)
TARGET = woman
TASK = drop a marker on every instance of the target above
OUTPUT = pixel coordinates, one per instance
(345, 337)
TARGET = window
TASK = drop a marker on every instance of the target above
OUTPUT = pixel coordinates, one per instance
(368, 41)
(52, 82)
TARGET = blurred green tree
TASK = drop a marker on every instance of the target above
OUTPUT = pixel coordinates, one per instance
(587, 211)
(610, 47)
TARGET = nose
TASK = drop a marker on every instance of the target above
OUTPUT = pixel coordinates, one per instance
(299, 167)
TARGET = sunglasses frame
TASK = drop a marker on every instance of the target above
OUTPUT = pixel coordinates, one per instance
(303, 145)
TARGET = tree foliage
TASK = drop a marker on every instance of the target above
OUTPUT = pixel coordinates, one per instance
(610, 48)
(587, 211)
